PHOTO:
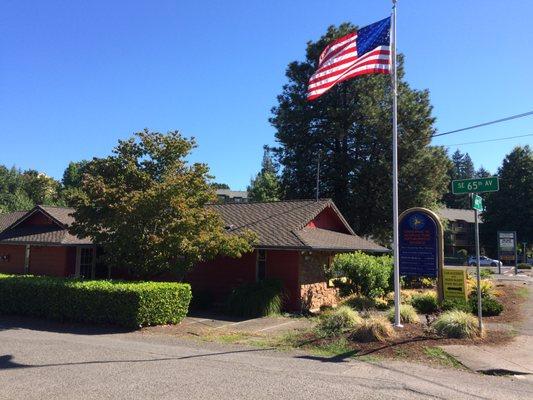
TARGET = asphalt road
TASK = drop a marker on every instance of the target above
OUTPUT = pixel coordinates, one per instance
(47, 361)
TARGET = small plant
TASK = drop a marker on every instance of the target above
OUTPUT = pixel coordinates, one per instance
(456, 304)
(485, 273)
(487, 289)
(372, 329)
(425, 303)
(338, 321)
(524, 266)
(256, 299)
(456, 324)
(489, 307)
(408, 314)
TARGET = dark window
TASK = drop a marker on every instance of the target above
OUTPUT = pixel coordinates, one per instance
(86, 262)
(261, 265)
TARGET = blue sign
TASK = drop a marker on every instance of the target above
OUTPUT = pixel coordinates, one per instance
(418, 245)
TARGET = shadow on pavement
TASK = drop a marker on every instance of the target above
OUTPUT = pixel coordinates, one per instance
(6, 361)
(37, 324)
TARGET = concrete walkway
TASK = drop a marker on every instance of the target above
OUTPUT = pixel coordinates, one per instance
(515, 358)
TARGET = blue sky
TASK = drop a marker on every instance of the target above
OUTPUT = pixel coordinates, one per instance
(75, 76)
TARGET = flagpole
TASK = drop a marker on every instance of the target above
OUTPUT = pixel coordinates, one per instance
(397, 321)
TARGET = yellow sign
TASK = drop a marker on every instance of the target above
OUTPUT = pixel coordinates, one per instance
(454, 282)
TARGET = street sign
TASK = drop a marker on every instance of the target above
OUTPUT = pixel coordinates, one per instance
(454, 282)
(477, 202)
(478, 185)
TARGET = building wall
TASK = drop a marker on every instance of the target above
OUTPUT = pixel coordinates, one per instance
(37, 219)
(52, 260)
(15, 262)
(283, 265)
(329, 220)
(314, 290)
(221, 275)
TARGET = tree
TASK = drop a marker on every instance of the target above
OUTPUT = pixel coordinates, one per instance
(462, 167)
(511, 208)
(21, 191)
(146, 207)
(265, 186)
(482, 173)
(351, 127)
(73, 174)
(216, 185)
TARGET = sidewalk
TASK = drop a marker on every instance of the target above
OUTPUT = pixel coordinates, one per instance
(515, 358)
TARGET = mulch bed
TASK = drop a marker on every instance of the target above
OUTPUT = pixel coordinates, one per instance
(411, 341)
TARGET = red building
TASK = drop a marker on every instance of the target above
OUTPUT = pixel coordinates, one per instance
(296, 241)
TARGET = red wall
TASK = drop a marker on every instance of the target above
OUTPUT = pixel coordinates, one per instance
(283, 264)
(328, 219)
(52, 260)
(37, 219)
(220, 276)
(15, 265)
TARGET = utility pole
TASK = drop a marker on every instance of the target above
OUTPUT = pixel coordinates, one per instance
(318, 175)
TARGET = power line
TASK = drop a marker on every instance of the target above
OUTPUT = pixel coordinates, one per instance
(489, 140)
(486, 123)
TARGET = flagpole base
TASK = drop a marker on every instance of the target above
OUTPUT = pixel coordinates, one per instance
(398, 325)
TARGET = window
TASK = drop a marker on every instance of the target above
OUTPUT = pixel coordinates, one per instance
(86, 262)
(261, 265)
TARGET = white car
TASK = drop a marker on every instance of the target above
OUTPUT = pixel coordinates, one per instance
(484, 261)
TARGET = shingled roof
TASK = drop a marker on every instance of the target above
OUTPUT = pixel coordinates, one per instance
(57, 234)
(282, 224)
(279, 224)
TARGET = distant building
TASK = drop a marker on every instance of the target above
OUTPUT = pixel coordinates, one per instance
(459, 230)
(232, 196)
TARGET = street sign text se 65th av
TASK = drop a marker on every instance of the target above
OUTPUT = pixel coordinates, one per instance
(478, 185)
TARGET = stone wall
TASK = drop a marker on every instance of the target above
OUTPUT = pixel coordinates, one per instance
(314, 290)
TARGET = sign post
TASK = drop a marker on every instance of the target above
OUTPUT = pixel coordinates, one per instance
(473, 186)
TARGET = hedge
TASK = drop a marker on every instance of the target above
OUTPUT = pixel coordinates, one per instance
(128, 304)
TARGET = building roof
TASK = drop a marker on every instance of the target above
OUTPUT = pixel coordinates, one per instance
(12, 232)
(278, 224)
(232, 193)
(281, 224)
(457, 214)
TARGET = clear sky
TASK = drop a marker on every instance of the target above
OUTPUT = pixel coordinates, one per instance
(75, 76)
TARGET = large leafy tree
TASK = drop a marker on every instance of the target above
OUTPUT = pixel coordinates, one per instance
(351, 126)
(22, 190)
(462, 167)
(265, 186)
(146, 207)
(511, 208)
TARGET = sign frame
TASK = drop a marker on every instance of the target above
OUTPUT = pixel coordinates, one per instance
(508, 254)
(476, 185)
(440, 243)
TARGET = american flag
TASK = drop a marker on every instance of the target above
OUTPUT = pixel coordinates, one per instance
(366, 51)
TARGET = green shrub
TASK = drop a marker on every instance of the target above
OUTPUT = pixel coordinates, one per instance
(456, 304)
(485, 273)
(425, 303)
(524, 266)
(129, 304)
(487, 289)
(456, 324)
(489, 307)
(362, 303)
(367, 275)
(408, 314)
(338, 321)
(256, 299)
(372, 329)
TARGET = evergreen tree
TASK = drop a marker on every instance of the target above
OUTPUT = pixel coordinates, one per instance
(351, 126)
(462, 168)
(511, 208)
(265, 186)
